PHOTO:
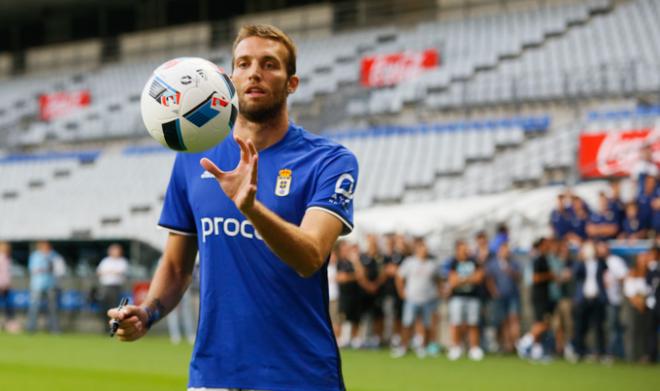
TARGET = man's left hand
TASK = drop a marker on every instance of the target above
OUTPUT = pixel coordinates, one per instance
(240, 184)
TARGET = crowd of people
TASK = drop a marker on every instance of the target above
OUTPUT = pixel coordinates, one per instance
(569, 286)
(567, 291)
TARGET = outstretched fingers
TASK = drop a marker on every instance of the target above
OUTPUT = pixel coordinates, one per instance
(255, 171)
(254, 158)
(245, 151)
(252, 148)
(212, 168)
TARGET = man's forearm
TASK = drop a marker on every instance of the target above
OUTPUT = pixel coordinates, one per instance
(289, 242)
(167, 287)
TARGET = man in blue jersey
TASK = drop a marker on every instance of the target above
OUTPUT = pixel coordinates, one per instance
(560, 218)
(263, 208)
(603, 223)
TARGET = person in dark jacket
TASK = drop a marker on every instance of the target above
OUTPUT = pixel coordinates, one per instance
(590, 300)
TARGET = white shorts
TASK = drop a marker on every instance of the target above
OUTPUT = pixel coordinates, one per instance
(464, 311)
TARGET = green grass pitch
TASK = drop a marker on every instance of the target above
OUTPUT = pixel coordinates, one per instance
(97, 363)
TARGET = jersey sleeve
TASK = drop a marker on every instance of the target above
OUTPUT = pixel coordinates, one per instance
(176, 215)
(335, 188)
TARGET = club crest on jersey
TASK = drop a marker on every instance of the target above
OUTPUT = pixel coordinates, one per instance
(283, 184)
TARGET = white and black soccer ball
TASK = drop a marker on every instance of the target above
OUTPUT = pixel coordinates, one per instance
(189, 104)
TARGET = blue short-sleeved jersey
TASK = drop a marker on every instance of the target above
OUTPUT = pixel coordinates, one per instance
(261, 325)
(579, 226)
(606, 218)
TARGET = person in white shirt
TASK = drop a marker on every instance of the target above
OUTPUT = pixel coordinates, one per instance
(617, 270)
(112, 273)
(418, 283)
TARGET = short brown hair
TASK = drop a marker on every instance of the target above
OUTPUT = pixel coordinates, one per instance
(268, 32)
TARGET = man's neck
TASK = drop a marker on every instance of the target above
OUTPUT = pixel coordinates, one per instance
(263, 134)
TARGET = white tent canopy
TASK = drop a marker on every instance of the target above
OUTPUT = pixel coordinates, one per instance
(526, 212)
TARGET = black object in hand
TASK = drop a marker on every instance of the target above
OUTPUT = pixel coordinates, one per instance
(114, 325)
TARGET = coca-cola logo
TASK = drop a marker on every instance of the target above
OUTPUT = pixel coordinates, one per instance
(619, 151)
(62, 103)
(391, 69)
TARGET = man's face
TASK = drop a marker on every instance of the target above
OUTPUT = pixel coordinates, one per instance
(615, 187)
(400, 243)
(503, 251)
(602, 250)
(560, 202)
(260, 78)
(389, 243)
(420, 250)
(115, 251)
(577, 204)
(543, 247)
(44, 247)
(482, 241)
(461, 251)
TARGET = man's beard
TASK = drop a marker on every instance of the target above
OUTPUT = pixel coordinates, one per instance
(260, 113)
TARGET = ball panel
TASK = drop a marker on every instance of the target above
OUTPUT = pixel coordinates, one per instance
(189, 104)
(172, 135)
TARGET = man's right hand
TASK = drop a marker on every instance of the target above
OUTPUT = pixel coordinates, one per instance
(132, 322)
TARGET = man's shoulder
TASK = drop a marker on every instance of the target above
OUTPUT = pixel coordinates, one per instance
(406, 263)
(323, 145)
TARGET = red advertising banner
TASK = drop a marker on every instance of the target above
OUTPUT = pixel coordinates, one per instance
(614, 153)
(390, 69)
(61, 104)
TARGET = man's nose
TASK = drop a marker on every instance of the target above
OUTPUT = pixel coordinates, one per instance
(254, 73)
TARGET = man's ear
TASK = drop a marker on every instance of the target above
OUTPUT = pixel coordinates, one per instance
(292, 84)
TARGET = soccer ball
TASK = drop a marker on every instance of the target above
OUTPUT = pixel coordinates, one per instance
(189, 104)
